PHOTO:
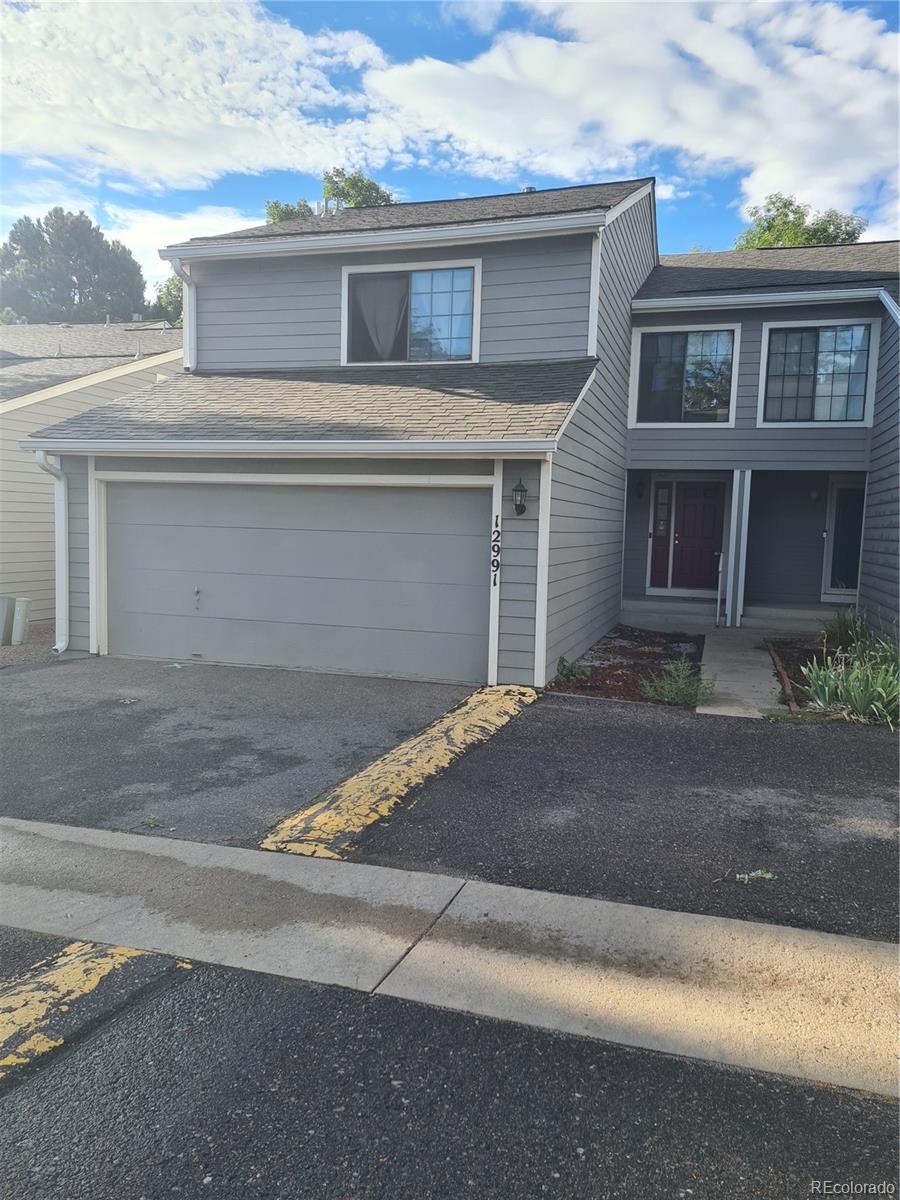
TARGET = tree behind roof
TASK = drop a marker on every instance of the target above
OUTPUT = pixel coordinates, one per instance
(62, 268)
(339, 189)
(783, 221)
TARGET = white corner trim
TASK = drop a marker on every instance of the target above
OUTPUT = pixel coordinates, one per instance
(733, 518)
(594, 296)
(509, 229)
(890, 304)
(634, 376)
(542, 579)
(83, 381)
(741, 578)
(871, 377)
(208, 448)
(494, 576)
(188, 312)
(286, 479)
(442, 265)
(755, 299)
(60, 549)
(97, 633)
(624, 205)
(574, 409)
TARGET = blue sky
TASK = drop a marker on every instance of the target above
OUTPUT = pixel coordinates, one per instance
(164, 121)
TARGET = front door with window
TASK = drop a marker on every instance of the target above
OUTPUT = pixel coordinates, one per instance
(843, 535)
(688, 519)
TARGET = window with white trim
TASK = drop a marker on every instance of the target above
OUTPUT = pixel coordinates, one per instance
(410, 316)
(684, 377)
(817, 373)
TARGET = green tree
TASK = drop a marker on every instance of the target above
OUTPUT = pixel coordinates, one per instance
(9, 317)
(353, 190)
(783, 221)
(276, 211)
(167, 305)
(63, 268)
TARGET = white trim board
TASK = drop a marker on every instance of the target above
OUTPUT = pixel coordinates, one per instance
(871, 378)
(542, 575)
(594, 295)
(285, 479)
(437, 448)
(634, 376)
(399, 268)
(756, 299)
(495, 578)
(83, 381)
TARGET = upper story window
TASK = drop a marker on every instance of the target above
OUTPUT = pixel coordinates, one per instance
(817, 373)
(423, 315)
(685, 376)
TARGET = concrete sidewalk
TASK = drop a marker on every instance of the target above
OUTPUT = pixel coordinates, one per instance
(737, 663)
(817, 1006)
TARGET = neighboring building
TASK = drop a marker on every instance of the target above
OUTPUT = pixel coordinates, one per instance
(48, 373)
(439, 440)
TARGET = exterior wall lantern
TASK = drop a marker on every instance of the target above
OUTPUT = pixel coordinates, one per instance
(519, 494)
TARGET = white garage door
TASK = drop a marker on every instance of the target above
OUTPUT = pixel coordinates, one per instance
(370, 580)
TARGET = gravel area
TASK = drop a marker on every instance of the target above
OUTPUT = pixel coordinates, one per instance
(36, 649)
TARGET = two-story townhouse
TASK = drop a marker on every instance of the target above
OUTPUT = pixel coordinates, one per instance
(424, 440)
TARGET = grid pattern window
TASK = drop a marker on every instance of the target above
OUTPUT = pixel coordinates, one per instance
(685, 377)
(411, 316)
(817, 374)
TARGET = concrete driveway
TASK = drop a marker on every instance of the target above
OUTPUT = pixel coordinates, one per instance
(196, 751)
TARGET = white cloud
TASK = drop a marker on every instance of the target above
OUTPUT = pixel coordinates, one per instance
(482, 15)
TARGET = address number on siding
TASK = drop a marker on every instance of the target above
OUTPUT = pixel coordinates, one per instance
(495, 552)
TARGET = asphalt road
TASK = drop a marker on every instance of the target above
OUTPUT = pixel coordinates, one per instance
(662, 807)
(196, 751)
(221, 1083)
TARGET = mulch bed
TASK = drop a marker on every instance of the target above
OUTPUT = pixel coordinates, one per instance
(621, 660)
(796, 653)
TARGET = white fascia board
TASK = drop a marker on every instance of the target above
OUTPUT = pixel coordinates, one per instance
(890, 304)
(756, 300)
(390, 239)
(511, 447)
(83, 381)
(624, 205)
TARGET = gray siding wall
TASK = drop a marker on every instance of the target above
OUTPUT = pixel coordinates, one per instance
(637, 523)
(696, 448)
(519, 554)
(79, 604)
(879, 579)
(587, 505)
(784, 537)
(286, 313)
(26, 492)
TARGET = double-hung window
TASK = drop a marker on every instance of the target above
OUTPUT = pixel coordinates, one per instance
(411, 315)
(817, 373)
(685, 376)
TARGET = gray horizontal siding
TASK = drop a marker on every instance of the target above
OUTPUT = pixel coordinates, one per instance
(26, 492)
(286, 313)
(587, 505)
(696, 448)
(518, 576)
(879, 578)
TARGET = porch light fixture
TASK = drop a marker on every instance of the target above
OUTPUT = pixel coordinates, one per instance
(519, 494)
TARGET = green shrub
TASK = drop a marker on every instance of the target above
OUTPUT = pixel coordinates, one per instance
(846, 628)
(571, 672)
(678, 683)
(860, 682)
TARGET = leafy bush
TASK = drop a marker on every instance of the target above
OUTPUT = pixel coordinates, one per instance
(678, 683)
(860, 681)
(571, 672)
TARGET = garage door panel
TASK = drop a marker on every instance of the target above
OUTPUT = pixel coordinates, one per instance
(448, 558)
(377, 581)
(405, 654)
(384, 604)
(359, 509)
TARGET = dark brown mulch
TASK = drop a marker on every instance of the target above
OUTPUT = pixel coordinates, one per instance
(620, 661)
(796, 653)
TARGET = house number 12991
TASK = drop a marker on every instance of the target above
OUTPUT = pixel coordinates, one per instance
(495, 553)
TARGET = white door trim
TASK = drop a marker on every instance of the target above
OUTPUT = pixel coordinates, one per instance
(97, 618)
(496, 551)
(542, 580)
(835, 482)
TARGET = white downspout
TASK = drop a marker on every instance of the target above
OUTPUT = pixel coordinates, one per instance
(61, 547)
(188, 313)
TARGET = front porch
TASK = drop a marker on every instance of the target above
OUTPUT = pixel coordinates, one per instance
(776, 551)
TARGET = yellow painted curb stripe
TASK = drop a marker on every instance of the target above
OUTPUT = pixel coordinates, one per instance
(29, 1002)
(328, 827)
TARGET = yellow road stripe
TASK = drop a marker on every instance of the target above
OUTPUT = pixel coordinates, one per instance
(29, 1002)
(328, 827)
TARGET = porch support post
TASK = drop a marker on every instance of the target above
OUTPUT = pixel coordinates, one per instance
(742, 520)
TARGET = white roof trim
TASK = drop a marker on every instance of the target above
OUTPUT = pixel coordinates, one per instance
(890, 304)
(395, 239)
(756, 299)
(624, 205)
(74, 385)
(423, 448)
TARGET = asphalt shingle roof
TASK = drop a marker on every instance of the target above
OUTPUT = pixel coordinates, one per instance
(29, 360)
(789, 268)
(475, 401)
(424, 213)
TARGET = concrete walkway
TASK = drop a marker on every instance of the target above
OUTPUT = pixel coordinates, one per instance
(817, 1006)
(737, 663)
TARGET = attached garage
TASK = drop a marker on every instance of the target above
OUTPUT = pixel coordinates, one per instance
(369, 580)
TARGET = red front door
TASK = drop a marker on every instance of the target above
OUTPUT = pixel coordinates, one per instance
(697, 539)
